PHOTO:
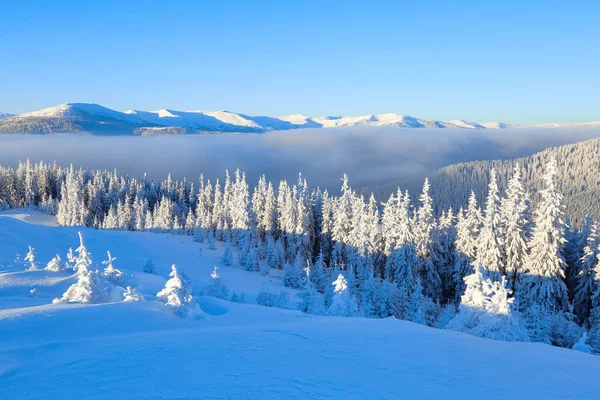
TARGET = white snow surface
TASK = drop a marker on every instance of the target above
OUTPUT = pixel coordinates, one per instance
(140, 350)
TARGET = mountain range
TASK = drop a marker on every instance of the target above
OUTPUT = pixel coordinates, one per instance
(96, 119)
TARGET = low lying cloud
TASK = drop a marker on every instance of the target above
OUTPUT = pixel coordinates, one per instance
(370, 156)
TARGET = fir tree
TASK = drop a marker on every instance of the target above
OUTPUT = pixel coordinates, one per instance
(112, 274)
(89, 288)
(178, 296)
(56, 264)
(587, 276)
(131, 294)
(513, 214)
(216, 287)
(343, 302)
(30, 257)
(489, 243)
(544, 265)
(227, 257)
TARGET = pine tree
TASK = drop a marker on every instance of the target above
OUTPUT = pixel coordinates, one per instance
(587, 276)
(30, 257)
(293, 275)
(112, 274)
(149, 267)
(513, 214)
(56, 265)
(90, 288)
(489, 243)
(274, 253)
(227, 257)
(177, 295)
(71, 208)
(544, 266)
(342, 217)
(486, 311)
(343, 302)
(425, 236)
(311, 301)
(216, 287)
(83, 260)
(317, 274)
(131, 294)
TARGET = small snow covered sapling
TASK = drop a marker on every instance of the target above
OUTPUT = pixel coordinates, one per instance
(83, 260)
(89, 288)
(71, 256)
(132, 295)
(582, 344)
(486, 310)
(266, 297)
(227, 256)
(211, 241)
(113, 275)
(311, 300)
(282, 300)
(56, 264)
(30, 257)
(177, 295)
(216, 287)
(149, 267)
(343, 303)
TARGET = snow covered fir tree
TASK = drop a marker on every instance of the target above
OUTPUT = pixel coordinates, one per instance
(513, 268)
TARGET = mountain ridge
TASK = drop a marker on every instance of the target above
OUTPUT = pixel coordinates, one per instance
(96, 119)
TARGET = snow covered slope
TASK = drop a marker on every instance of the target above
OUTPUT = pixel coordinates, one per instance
(73, 117)
(237, 351)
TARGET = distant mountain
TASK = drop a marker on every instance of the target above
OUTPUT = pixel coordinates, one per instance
(5, 115)
(95, 119)
(76, 117)
(595, 124)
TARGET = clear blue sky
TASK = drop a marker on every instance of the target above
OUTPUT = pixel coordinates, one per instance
(516, 61)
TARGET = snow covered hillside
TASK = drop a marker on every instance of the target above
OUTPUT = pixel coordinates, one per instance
(234, 349)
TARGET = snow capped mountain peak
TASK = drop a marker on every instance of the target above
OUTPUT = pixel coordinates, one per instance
(72, 117)
(164, 113)
(55, 111)
(5, 115)
(498, 125)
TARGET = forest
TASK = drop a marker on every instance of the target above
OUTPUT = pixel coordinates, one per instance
(505, 268)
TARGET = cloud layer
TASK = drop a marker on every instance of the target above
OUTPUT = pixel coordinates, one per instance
(371, 156)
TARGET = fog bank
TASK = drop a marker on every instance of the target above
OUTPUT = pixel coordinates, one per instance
(371, 156)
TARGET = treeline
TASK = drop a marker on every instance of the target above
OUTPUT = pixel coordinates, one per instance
(577, 178)
(510, 271)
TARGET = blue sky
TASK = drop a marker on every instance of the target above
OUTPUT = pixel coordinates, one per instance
(516, 61)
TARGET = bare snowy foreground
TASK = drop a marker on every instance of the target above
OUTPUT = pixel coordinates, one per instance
(235, 350)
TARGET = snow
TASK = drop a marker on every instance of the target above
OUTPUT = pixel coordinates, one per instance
(498, 125)
(234, 350)
(30, 216)
(75, 110)
(232, 118)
